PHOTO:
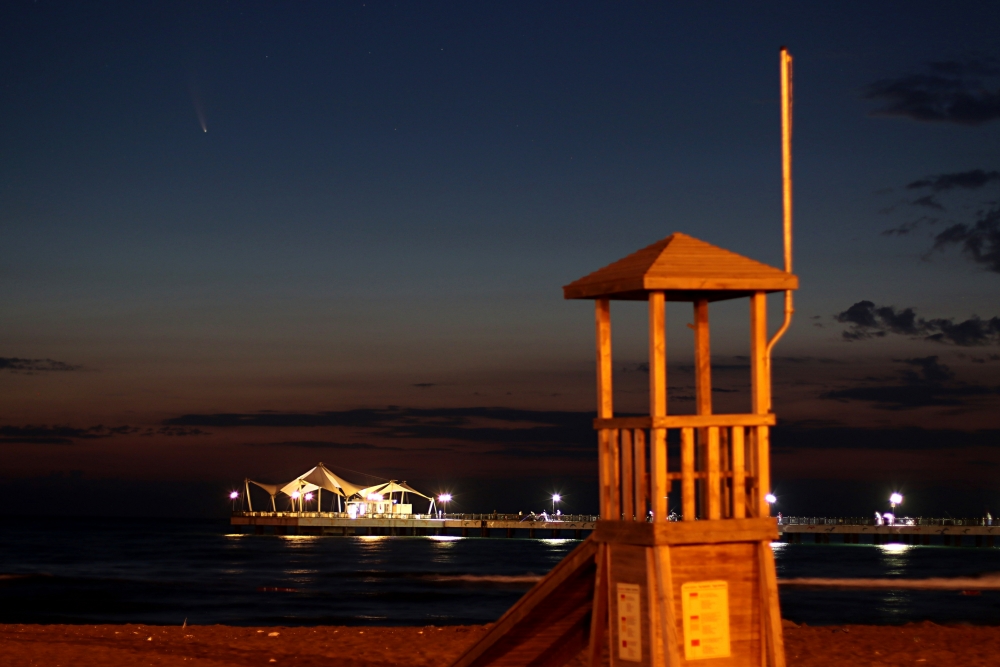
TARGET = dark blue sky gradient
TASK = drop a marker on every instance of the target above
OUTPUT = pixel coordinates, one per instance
(388, 199)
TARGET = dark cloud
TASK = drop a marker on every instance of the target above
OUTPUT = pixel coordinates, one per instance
(868, 321)
(60, 435)
(979, 241)
(971, 180)
(321, 444)
(790, 436)
(965, 93)
(528, 427)
(927, 201)
(424, 385)
(18, 365)
(925, 382)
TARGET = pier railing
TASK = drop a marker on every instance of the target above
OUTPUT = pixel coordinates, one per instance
(450, 516)
(870, 521)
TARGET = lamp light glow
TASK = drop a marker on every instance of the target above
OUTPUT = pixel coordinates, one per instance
(234, 495)
(896, 498)
(770, 499)
(444, 498)
(309, 496)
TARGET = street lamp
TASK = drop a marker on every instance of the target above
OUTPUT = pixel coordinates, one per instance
(555, 499)
(770, 499)
(444, 499)
(233, 496)
(895, 499)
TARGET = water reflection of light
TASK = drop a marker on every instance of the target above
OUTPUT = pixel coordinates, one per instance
(236, 535)
(298, 538)
(445, 538)
(777, 546)
(894, 548)
(555, 541)
(372, 538)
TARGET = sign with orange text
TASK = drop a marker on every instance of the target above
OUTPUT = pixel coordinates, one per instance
(705, 605)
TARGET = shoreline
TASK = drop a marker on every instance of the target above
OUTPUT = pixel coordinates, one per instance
(129, 645)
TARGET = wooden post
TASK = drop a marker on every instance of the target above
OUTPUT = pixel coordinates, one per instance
(760, 375)
(703, 398)
(605, 409)
(739, 473)
(712, 466)
(658, 405)
(687, 474)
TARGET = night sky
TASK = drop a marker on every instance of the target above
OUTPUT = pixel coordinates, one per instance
(241, 238)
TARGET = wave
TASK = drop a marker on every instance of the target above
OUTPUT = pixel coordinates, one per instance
(985, 582)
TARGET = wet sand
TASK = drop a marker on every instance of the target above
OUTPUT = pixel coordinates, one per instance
(918, 645)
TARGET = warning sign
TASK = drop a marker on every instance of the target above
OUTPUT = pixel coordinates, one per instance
(705, 605)
(629, 619)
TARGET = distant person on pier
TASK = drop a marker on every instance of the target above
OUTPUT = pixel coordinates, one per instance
(989, 518)
(878, 519)
(890, 518)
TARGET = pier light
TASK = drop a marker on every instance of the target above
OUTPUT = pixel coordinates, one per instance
(295, 495)
(895, 499)
(444, 499)
(234, 495)
(309, 496)
(555, 499)
(770, 499)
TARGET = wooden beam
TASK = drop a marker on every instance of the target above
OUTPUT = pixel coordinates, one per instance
(763, 470)
(702, 360)
(599, 609)
(760, 374)
(605, 407)
(771, 607)
(685, 421)
(712, 465)
(659, 485)
(686, 532)
(615, 478)
(739, 473)
(657, 356)
(628, 476)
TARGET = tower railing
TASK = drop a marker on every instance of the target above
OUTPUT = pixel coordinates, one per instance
(716, 464)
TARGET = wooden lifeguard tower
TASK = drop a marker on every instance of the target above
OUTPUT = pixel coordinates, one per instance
(644, 590)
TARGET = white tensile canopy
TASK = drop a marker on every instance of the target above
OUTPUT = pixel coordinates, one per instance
(320, 477)
(391, 486)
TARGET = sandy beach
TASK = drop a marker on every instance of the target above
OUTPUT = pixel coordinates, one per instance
(922, 644)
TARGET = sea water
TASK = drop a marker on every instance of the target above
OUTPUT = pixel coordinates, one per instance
(157, 572)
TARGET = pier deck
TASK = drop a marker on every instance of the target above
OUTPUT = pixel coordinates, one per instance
(945, 532)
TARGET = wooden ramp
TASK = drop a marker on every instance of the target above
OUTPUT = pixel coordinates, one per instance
(550, 625)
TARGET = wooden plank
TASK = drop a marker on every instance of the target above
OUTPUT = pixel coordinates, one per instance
(686, 532)
(628, 566)
(628, 476)
(687, 474)
(605, 408)
(739, 473)
(639, 461)
(771, 606)
(763, 470)
(599, 613)
(726, 473)
(603, 468)
(714, 504)
(659, 484)
(656, 604)
(615, 461)
(519, 622)
(657, 356)
(683, 421)
(665, 590)
(737, 565)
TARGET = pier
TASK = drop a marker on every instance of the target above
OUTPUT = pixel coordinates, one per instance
(974, 532)
(459, 525)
